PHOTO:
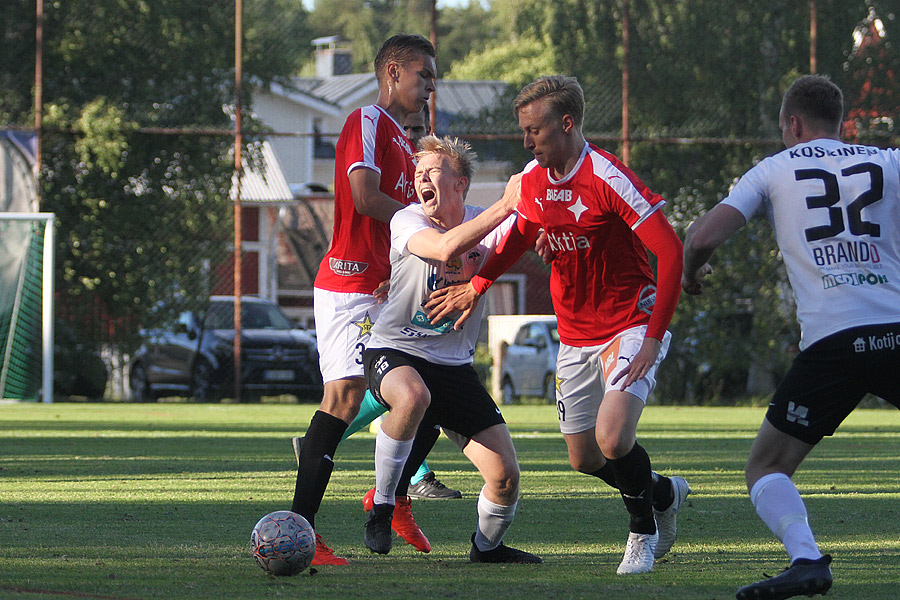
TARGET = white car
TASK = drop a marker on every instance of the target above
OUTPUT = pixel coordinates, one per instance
(529, 363)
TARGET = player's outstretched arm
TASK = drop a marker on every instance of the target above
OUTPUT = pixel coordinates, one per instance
(657, 234)
(464, 297)
(444, 246)
(703, 237)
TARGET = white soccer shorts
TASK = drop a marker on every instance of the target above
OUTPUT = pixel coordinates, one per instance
(343, 328)
(584, 374)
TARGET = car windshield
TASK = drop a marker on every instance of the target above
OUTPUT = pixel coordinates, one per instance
(254, 315)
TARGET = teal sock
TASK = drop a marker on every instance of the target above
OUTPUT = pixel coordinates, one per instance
(420, 474)
(368, 412)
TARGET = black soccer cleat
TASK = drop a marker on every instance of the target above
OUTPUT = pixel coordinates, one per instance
(378, 528)
(432, 489)
(502, 554)
(805, 577)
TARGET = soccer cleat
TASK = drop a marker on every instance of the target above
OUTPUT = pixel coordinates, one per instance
(804, 577)
(405, 525)
(638, 554)
(297, 444)
(665, 519)
(324, 555)
(502, 554)
(378, 529)
(368, 500)
(429, 488)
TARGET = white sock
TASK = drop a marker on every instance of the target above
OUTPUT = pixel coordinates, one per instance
(779, 505)
(493, 521)
(390, 457)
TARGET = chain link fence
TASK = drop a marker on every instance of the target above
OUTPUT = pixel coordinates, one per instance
(137, 152)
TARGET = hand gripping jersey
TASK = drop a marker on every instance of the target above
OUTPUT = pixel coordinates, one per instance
(403, 323)
(601, 282)
(835, 210)
(358, 258)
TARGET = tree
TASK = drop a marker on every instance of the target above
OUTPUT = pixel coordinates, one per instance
(143, 217)
(870, 91)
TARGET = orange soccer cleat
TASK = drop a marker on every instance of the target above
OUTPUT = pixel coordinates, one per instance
(324, 555)
(369, 500)
(406, 526)
(403, 523)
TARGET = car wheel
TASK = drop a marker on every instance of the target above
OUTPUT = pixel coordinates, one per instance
(550, 388)
(202, 387)
(140, 387)
(508, 392)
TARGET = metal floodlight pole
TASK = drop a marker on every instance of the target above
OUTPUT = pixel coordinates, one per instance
(626, 126)
(38, 96)
(813, 34)
(432, 109)
(238, 170)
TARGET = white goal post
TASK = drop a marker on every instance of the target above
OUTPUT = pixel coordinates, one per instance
(22, 260)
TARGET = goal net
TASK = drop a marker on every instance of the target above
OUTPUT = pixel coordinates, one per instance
(26, 306)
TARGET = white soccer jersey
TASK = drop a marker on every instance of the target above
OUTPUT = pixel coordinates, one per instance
(403, 324)
(835, 210)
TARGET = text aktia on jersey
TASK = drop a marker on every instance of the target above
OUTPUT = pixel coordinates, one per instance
(567, 242)
(406, 187)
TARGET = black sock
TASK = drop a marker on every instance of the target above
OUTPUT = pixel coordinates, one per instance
(632, 473)
(663, 493)
(426, 436)
(606, 474)
(316, 463)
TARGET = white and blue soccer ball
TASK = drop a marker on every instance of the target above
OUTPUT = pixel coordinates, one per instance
(283, 543)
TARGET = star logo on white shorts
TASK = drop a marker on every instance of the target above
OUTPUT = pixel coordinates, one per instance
(365, 326)
(578, 208)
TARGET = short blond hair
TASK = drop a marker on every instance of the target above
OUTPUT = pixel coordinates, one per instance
(563, 94)
(460, 153)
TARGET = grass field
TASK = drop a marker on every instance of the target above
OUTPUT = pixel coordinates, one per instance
(118, 501)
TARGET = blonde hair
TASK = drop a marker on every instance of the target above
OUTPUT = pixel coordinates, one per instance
(563, 94)
(460, 153)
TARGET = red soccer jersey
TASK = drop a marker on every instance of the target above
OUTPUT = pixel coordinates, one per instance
(601, 281)
(358, 259)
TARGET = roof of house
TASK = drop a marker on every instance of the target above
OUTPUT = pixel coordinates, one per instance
(263, 181)
(453, 96)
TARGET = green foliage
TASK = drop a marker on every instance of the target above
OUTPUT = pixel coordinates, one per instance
(144, 217)
(516, 63)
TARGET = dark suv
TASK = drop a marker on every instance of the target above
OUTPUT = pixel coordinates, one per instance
(194, 356)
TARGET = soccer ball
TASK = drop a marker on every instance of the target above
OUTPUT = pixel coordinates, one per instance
(283, 543)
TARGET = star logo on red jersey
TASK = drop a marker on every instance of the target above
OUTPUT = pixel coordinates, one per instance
(578, 209)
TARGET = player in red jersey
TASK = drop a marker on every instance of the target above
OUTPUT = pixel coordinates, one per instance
(374, 170)
(612, 314)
